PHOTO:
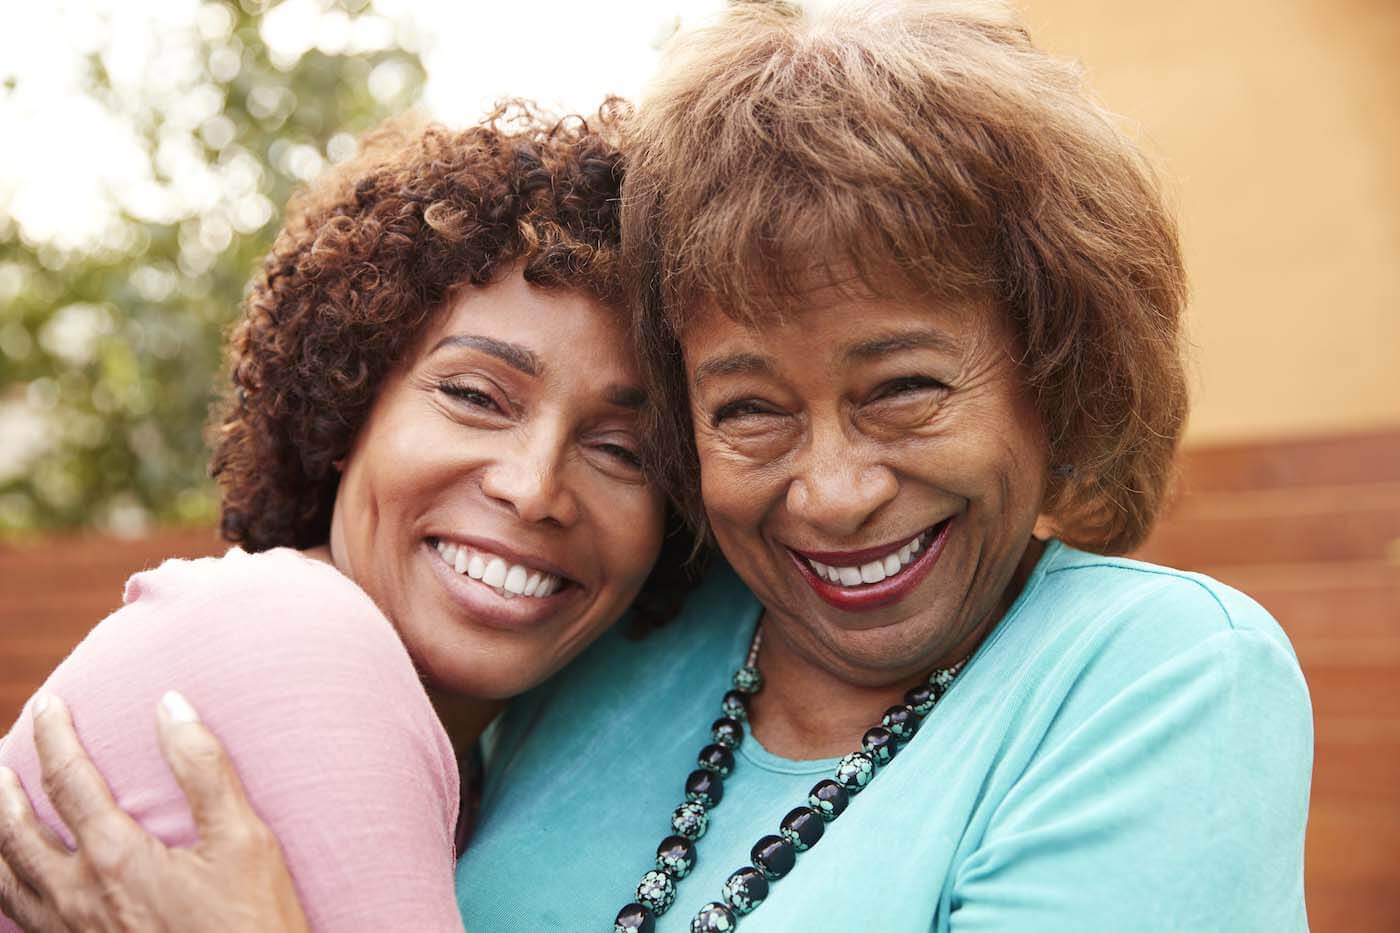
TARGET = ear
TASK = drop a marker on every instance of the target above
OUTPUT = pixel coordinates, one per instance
(1045, 528)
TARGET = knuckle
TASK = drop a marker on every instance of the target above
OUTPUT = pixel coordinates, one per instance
(62, 780)
(108, 847)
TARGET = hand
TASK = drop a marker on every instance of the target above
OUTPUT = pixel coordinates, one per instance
(121, 879)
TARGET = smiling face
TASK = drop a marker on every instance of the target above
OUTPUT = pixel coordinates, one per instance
(493, 505)
(873, 470)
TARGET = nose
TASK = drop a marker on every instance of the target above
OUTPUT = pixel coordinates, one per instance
(529, 479)
(839, 485)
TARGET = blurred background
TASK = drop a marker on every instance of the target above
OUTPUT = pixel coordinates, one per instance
(147, 146)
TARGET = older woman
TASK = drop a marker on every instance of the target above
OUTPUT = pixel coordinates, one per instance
(911, 304)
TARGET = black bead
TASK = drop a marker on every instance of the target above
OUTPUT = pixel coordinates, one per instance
(735, 705)
(705, 787)
(716, 758)
(728, 732)
(774, 856)
(634, 918)
(676, 856)
(880, 744)
(745, 889)
(829, 799)
(714, 917)
(802, 827)
(921, 699)
(901, 721)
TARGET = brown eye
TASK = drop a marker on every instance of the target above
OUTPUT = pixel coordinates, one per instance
(738, 409)
(907, 385)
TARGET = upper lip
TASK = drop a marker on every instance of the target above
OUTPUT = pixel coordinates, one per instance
(862, 556)
(511, 554)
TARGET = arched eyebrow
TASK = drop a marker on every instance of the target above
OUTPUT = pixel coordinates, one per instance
(885, 344)
(512, 354)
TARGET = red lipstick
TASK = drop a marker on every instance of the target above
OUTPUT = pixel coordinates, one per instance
(868, 596)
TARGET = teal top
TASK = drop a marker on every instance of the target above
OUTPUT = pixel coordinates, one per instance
(1129, 749)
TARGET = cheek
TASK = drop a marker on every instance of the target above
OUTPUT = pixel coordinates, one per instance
(627, 536)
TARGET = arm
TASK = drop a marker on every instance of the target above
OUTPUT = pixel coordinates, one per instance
(1179, 803)
(321, 711)
(121, 878)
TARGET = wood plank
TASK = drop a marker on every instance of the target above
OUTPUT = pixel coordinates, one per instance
(1328, 460)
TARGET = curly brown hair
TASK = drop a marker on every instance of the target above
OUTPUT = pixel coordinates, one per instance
(365, 257)
(932, 148)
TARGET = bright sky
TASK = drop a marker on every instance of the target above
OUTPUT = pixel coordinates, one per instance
(64, 160)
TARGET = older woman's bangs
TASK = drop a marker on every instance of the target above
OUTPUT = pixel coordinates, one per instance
(929, 149)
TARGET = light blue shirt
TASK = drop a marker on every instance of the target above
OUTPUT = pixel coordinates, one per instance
(1129, 749)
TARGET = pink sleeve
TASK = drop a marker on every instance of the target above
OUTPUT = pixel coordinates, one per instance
(312, 692)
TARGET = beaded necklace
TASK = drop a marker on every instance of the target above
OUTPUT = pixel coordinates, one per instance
(773, 856)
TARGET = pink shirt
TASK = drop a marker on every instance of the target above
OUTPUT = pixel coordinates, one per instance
(307, 684)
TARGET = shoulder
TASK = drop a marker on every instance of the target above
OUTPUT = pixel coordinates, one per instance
(1147, 613)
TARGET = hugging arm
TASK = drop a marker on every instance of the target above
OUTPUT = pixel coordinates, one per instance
(121, 878)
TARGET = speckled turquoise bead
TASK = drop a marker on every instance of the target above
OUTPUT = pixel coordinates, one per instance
(735, 705)
(675, 856)
(690, 820)
(656, 891)
(727, 732)
(748, 680)
(941, 680)
(803, 827)
(921, 699)
(902, 722)
(855, 771)
(634, 918)
(716, 758)
(829, 799)
(879, 743)
(745, 889)
(714, 918)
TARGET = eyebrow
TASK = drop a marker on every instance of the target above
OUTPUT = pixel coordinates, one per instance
(734, 364)
(625, 396)
(887, 344)
(512, 354)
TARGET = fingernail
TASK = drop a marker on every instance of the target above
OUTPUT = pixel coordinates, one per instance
(41, 703)
(178, 708)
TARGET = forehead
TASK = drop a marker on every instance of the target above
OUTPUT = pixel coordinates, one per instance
(558, 327)
(833, 327)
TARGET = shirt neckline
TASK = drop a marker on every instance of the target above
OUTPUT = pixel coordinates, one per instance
(752, 750)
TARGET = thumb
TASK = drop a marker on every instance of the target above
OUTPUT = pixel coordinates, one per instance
(205, 774)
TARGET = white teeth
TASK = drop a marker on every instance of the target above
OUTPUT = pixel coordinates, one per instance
(508, 580)
(873, 572)
(495, 574)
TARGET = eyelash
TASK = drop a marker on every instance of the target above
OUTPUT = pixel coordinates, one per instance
(469, 394)
(474, 396)
(736, 409)
(907, 384)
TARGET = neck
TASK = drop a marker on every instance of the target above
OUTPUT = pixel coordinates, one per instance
(806, 711)
(464, 718)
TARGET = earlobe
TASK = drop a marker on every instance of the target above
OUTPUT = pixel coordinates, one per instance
(1044, 528)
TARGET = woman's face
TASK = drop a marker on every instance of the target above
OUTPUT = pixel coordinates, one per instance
(492, 504)
(873, 470)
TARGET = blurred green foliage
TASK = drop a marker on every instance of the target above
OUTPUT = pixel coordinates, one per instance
(112, 354)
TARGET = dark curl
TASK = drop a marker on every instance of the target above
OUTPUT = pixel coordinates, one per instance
(365, 257)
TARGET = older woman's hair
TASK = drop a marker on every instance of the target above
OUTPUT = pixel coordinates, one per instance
(932, 150)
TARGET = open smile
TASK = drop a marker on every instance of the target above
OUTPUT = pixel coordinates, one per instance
(496, 587)
(873, 577)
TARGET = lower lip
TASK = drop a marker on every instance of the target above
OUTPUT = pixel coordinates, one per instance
(481, 603)
(876, 595)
